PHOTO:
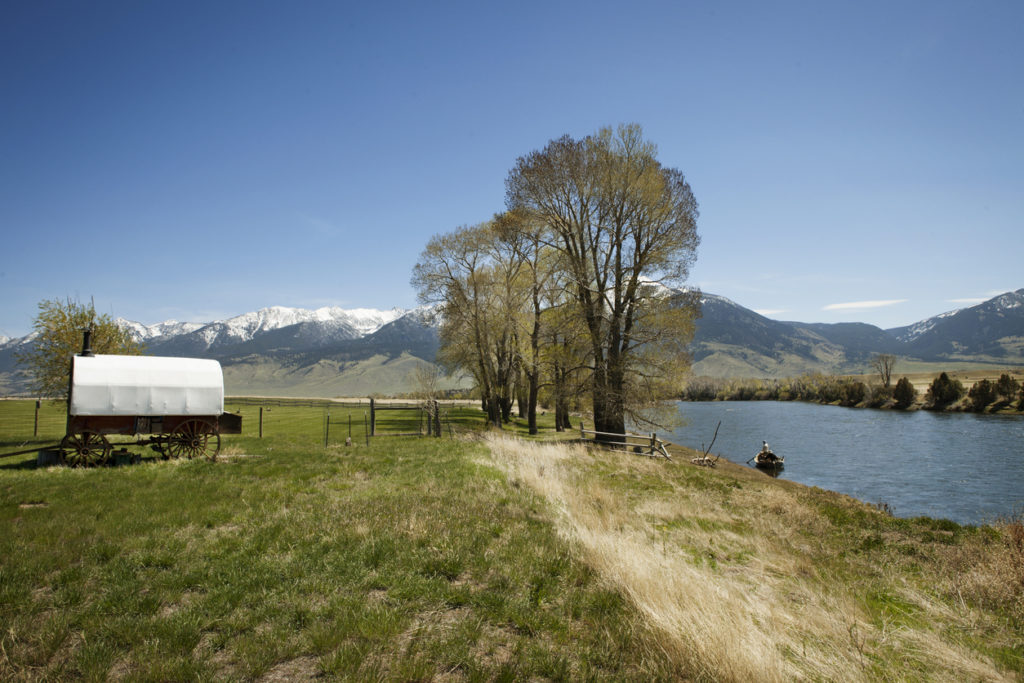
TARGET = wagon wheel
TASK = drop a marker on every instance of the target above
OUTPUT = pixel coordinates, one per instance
(193, 439)
(84, 450)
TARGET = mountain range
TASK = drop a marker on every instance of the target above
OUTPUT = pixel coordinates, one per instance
(332, 351)
(733, 341)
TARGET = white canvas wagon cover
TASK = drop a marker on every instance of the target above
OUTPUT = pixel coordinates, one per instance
(146, 385)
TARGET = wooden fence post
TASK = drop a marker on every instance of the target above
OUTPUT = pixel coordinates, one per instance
(327, 428)
(437, 419)
(261, 422)
(35, 427)
(654, 442)
(582, 435)
(373, 419)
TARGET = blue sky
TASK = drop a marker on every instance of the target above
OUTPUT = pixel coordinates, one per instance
(196, 160)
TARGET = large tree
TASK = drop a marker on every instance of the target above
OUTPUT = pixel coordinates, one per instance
(625, 230)
(477, 282)
(59, 328)
(521, 239)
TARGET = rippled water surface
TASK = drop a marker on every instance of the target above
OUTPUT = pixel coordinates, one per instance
(968, 468)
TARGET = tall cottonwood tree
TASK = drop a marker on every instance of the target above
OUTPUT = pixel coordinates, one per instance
(523, 239)
(625, 230)
(563, 352)
(474, 280)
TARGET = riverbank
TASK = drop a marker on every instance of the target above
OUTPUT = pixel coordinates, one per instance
(970, 391)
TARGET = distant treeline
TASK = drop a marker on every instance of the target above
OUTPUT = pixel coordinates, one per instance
(943, 393)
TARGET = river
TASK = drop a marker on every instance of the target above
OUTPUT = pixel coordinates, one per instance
(964, 467)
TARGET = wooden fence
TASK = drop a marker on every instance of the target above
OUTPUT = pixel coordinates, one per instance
(645, 445)
(427, 418)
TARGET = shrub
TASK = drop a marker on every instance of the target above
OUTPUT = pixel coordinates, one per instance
(944, 391)
(905, 393)
(982, 394)
(880, 395)
(1007, 387)
(852, 392)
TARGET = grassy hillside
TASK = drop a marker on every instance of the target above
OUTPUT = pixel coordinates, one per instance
(724, 361)
(381, 374)
(470, 559)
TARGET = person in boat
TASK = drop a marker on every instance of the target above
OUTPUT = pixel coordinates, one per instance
(766, 453)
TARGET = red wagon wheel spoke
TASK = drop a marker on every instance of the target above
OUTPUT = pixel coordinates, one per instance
(193, 439)
(87, 449)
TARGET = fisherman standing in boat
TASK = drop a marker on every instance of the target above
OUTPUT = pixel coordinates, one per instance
(765, 450)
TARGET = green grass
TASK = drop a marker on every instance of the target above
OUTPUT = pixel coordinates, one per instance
(403, 560)
(419, 558)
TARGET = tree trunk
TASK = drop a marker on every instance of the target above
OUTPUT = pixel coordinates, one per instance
(494, 411)
(522, 399)
(531, 404)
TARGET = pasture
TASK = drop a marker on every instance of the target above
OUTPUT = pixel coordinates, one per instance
(480, 557)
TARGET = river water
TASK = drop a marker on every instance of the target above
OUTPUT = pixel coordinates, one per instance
(958, 466)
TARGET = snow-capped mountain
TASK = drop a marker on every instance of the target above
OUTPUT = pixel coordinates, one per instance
(168, 328)
(323, 324)
(911, 332)
(992, 328)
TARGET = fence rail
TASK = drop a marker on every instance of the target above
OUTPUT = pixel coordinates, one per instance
(24, 422)
(654, 446)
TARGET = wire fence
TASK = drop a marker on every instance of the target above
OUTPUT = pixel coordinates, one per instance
(24, 420)
(324, 421)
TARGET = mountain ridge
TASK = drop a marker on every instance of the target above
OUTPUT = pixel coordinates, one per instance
(289, 344)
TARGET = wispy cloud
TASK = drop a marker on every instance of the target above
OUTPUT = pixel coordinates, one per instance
(973, 300)
(862, 305)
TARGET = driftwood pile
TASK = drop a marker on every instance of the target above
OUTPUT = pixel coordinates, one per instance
(706, 460)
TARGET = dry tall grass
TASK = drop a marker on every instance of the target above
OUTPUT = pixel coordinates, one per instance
(727, 572)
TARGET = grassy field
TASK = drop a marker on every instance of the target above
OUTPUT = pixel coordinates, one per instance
(476, 558)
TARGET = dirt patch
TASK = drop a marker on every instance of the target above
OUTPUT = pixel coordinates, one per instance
(433, 621)
(299, 669)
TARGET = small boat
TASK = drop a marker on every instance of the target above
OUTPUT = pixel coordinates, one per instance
(767, 460)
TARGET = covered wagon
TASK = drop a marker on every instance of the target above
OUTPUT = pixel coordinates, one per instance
(178, 403)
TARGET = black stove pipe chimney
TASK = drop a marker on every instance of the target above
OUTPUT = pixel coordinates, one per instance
(87, 342)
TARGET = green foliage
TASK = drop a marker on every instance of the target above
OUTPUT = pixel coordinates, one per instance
(880, 395)
(982, 394)
(853, 393)
(813, 388)
(905, 393)
(569, 289)
(58, 327)
(1007, 387)
(617, 221)
(944, 392)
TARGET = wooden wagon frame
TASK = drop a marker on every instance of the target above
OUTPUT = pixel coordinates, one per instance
(175, 404)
